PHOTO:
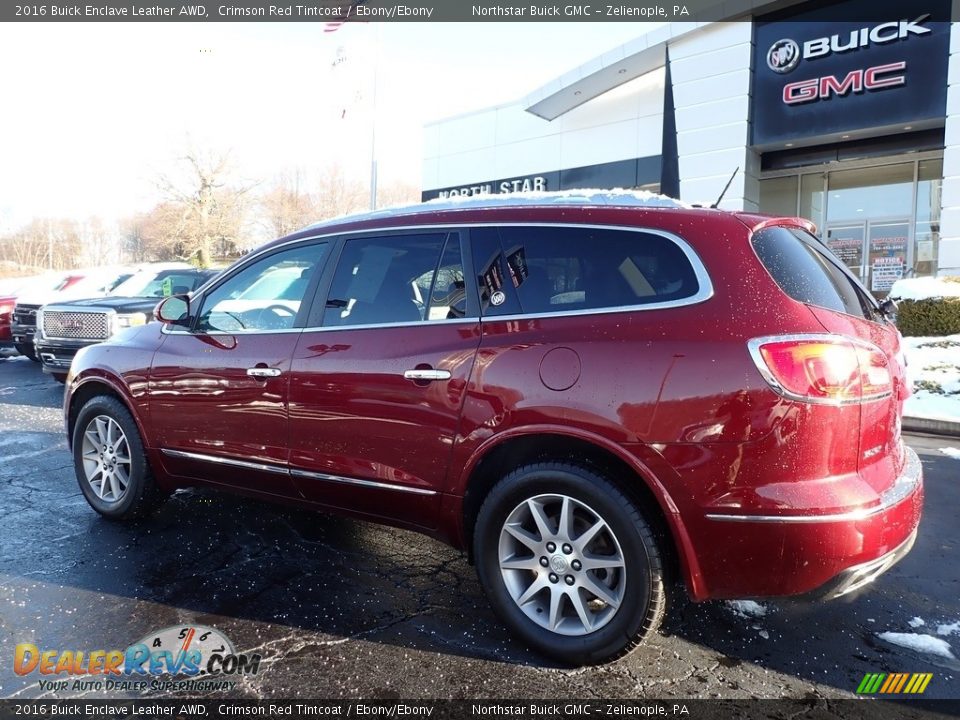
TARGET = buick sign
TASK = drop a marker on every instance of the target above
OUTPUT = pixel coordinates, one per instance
(783, 55)
(822, 71)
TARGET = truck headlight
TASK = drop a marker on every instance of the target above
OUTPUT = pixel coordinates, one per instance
(131, 320)
(38, 332)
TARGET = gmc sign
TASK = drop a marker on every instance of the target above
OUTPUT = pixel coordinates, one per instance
(856, 81)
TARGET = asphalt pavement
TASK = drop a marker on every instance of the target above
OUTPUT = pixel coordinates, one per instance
(345, 609)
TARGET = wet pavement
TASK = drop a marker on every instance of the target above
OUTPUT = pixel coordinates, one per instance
(343, 609)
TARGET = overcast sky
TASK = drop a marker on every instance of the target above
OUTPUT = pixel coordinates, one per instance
(94, 111)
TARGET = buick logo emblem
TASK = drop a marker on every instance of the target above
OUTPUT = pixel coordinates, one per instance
(783, 56)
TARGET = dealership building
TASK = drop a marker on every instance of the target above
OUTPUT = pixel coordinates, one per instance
(846, 113)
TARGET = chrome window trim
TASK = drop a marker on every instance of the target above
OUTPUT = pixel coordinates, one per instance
(276, 469)
(704, 284)
(362, 483)
(264, 467)
(753, 345)
(905, 485)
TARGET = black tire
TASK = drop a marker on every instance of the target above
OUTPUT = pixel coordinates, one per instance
(141, 495)
(643, 600)
(27, 350)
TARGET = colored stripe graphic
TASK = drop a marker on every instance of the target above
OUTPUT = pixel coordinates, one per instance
(894, 683)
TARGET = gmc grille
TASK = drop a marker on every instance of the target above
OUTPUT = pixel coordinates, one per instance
(75, 325)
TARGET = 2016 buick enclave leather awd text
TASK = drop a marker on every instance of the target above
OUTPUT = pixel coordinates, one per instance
(585, 394)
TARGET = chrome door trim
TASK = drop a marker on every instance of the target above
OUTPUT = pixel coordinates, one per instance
(245, 464)
(362, 483)
(276, 469)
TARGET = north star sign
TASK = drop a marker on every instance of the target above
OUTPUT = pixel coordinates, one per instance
(813, 77)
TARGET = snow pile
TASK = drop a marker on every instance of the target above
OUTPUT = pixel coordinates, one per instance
(920, 643)
(949, 628)
(924, 288)
(747, 609)
(916, 622)
(618, 197)
(933, 366)
(951, 452)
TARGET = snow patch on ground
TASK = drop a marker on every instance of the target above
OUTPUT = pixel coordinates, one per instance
(951, 452)
(933, 367)
(747, 609)
(924, 288)
(920, 643)
(916, 622)
(949, 628)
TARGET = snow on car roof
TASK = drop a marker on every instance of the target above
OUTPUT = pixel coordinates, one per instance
(610, 198)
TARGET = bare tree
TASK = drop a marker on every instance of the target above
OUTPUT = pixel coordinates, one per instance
(287, 206)
(204, 209)
(338, 195)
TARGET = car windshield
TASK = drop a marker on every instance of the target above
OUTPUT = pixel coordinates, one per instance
(145, 283)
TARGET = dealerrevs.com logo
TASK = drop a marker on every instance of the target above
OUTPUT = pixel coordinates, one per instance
(204, 656)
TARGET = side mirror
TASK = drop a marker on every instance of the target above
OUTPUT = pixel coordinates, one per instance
(173, 310)
(888, 307)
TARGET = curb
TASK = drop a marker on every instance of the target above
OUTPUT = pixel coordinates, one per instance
(934, 427)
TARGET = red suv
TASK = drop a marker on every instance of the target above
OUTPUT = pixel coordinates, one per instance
(582, 393)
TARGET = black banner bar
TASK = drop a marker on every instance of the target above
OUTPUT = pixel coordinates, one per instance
(207, 709)
(339, 11)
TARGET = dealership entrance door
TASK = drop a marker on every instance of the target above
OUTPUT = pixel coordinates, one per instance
(875, 250)
(881, 217)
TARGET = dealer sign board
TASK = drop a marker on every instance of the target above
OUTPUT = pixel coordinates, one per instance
(849, 66)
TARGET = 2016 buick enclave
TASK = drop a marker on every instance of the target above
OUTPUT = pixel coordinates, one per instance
(584, 393)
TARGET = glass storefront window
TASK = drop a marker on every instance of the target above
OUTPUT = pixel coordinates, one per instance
(811, 199)
(778, 196)
(883, 191)
(883, 221)
(927, 233)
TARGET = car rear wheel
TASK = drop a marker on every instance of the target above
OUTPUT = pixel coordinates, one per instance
(27, 350)
(570, 563)
(111, 466)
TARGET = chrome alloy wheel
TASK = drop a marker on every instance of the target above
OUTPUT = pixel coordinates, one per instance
(562, 564)
(106, 458)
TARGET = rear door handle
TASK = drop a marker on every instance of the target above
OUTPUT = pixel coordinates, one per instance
(426, 374)
(264, 372)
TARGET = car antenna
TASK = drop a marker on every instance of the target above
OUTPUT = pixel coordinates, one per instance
(725, 188)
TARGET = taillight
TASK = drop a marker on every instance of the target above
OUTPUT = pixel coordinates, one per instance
(828, 369)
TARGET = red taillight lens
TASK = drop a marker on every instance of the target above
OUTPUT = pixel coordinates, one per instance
(822, 368)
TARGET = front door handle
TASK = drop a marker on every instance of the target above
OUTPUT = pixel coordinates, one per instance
(426, 374)
(264, 372)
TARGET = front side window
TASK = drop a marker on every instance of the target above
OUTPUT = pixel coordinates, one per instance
(561, 269)
(265, 296)
(397, 279)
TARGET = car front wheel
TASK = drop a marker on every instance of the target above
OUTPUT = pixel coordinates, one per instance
(111, 466)
(569, 563)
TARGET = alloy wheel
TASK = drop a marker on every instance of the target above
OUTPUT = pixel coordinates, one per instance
(106, 458)
(562, 564)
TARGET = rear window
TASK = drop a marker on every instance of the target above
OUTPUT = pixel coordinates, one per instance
(560, 269)
(809, 273)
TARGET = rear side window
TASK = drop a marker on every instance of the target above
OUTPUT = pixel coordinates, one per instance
(808, 272)
(560, 269)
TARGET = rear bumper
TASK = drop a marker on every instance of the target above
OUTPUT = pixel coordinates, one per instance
(859, 576)
(807, 554)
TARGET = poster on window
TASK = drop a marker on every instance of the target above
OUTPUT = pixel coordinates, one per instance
(885, 272)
